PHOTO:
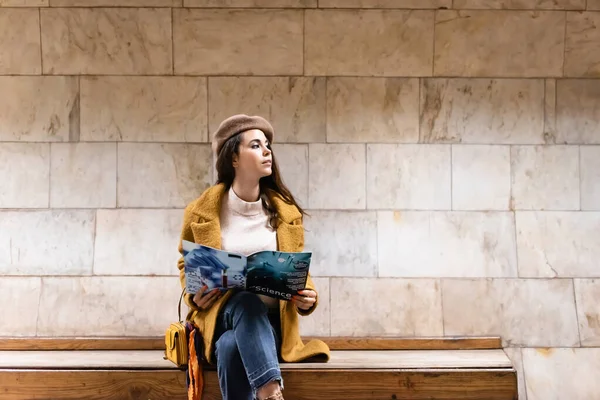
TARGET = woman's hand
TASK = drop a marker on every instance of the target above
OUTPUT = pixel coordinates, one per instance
(205, 301)
(305, 299)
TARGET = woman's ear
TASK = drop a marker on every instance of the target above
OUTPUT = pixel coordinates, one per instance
(234, 160)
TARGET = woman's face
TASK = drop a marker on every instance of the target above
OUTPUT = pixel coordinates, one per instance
(254, 158)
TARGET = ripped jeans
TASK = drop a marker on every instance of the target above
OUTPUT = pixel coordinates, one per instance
(247, 345)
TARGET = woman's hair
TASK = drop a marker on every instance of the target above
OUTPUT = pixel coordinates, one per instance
(270, 186)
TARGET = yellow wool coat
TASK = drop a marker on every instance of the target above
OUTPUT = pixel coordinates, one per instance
(201, 225)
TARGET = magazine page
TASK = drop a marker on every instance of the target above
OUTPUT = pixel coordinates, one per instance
(214, 268)
(277, 274)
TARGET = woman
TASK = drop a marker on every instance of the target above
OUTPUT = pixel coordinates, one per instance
(248, 210)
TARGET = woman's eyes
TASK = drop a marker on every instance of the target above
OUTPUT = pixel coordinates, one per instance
(256, 146)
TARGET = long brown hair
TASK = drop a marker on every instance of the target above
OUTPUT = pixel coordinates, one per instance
(270, 186)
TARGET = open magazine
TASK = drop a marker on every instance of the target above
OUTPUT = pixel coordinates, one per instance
(272, 273)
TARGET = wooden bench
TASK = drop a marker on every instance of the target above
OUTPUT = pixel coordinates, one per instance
(360, 368)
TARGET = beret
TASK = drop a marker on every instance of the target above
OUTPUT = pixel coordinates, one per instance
(240, 123)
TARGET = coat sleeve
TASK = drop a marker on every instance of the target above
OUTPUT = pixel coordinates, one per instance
(186, 234)
(310, 285)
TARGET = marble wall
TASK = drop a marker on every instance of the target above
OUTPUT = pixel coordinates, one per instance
(447, 151)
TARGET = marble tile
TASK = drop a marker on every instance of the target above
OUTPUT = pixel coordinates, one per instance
(162, 175)
(39, 108)
(319, 322)
(419, 4)
(545, 177)
(587, 296)
(115, 3)
(593, 5)
(590, 177)
(521, 4)
(482, 111)
(499, 43)
(19, 41)
(578, 111)
(480, 177)
(144, 109)
(410, 176)
(24, 3)
(413, 307)
(344, 42)
(106, 41)
(582, 47)
(344, 243)
(108, 306)
(83, 175)
(446, 244)
(526, 312)
(23, 295)
(251, 3)
(557, 374)
(295, 106)
(24, 173)
(292, 160)
(558, 244)
(550, 111)
(64, 242)
(336, 176)
(373, 110)
(516, 359)
(238, 42)
(119, 233)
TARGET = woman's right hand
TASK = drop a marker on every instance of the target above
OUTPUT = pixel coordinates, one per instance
(204, 300)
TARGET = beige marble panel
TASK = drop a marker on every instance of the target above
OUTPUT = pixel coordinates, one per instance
(104, 41)
(521, 4)
(336, 176)
(116, 3)
(578, 111)
(446, 244)
(295, 106)
(593, 5)
(524, 312)
(499, 43)
(582, 47)
(120, 233)
(344, 243)
(251, 3)
(144, 109)
(480, 177)
(292, 160)
(373, 110)
(20, 41)
(558, 374)
(419, 4)
(516, 359)
(346, 42)
(24, 173)
(545, 177)
(53, 242)
(108, 306)
(590, 177)
(587, 295)
(238, 42)
(19, 298)
(319, 322)
(550, 111)
(83, 175)
(409, 176)
(483, 111)
(412, 307)
(162, 175)
(39, 109)
(558, 244)
(24, 3)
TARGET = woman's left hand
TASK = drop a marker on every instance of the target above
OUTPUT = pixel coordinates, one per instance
(305, 299)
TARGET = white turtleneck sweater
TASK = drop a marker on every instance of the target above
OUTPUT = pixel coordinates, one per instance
(245, 230)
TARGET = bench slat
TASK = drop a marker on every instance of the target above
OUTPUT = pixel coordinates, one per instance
(356, 359)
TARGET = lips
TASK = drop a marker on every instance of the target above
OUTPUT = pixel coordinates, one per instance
(268, 162)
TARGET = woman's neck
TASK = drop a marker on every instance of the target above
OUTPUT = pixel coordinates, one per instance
(247, 191)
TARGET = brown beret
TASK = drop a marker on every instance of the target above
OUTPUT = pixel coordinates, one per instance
(240, 123)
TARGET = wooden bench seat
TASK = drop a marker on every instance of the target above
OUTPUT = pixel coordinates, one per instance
(368, 369)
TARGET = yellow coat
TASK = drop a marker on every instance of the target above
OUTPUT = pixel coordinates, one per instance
(201, 225)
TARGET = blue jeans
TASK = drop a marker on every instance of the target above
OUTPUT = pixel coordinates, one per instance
(246, 348)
